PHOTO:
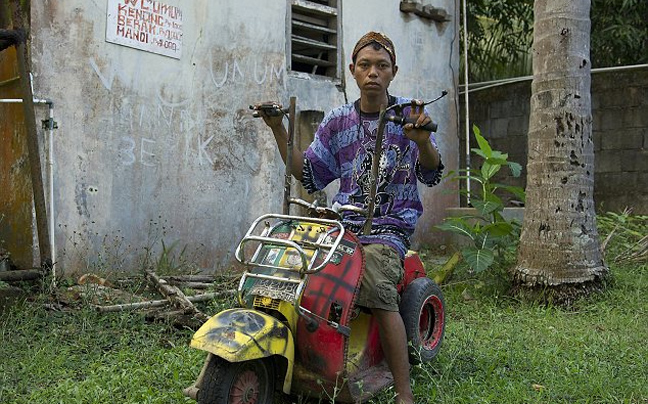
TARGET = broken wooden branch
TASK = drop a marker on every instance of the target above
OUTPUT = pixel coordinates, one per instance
(174, 295)
(20, 275)
(191, 285)
(192, 278)
(160, 303)
(132, 306)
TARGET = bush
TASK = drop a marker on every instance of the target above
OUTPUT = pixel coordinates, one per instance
(490, 233)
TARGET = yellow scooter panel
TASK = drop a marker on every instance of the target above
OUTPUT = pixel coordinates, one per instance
(238, 335)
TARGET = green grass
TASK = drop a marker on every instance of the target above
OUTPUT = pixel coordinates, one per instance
(505, 351)
(496, 350)
(84, 357)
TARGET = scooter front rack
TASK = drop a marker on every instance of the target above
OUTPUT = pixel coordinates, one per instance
(308, 251)
(289, 248)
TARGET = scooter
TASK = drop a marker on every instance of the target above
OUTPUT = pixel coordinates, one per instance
(298, 328)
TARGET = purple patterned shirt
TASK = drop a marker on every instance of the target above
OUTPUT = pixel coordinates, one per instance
(343, 149)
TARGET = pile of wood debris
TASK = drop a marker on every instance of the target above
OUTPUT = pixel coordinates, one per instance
(172, 305)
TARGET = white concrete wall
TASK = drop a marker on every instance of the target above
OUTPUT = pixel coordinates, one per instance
(150, 147)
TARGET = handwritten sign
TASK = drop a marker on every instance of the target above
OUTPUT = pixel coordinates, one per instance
(148, 25)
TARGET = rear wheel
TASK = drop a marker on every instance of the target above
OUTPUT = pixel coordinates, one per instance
(422, 309)
(249, 382)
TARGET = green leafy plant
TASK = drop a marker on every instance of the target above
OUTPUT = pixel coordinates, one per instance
(488, 230)
(619, 32)
(500, 35)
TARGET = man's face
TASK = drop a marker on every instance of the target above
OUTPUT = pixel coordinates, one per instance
(373, 71)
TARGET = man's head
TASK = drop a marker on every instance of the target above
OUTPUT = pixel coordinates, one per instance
(373, 64)
(376, 39)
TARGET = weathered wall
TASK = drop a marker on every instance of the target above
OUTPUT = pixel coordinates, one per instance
(152, 148)
(620, 130)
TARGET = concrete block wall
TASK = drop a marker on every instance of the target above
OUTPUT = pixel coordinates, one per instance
(620, 131)
(620, 128)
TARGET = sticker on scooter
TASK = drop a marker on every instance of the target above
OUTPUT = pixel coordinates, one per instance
(275, 289)
(273, 257)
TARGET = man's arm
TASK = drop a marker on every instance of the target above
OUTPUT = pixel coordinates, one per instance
(281, 137)
(428, 154)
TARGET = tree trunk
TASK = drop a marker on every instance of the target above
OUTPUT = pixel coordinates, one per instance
(559, 253)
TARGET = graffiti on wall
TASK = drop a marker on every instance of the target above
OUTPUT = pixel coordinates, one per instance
(235, 70)
(222, 72)
(187, 124)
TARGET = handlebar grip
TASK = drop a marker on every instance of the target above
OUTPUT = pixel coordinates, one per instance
(430, 126)
(402, 121)
(269, 109)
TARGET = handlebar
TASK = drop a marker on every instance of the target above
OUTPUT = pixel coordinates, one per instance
(335, 210)
(275, 109)
(403, 120)
(349, 208)
(269, 108)
(400, 119)
(303, 203)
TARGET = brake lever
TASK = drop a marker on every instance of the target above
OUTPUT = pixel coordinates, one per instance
(402, 120)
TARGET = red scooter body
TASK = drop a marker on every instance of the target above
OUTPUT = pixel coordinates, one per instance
(350, 367)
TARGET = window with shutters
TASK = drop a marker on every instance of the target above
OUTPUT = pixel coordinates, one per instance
(314, 40)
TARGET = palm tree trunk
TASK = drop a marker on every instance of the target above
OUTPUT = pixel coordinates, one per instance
(560, 250)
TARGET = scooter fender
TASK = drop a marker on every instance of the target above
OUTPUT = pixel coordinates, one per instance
(238, 335)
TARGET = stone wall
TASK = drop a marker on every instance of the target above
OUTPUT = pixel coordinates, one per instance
(620, 130)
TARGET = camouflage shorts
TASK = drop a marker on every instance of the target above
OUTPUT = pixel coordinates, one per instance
(384, 270)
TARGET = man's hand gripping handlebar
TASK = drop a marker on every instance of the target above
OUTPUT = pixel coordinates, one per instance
(268, 108)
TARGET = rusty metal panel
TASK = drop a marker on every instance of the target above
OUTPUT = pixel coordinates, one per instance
(16, 217)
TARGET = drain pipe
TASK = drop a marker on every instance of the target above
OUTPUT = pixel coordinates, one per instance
(50, 170)
(467, 104)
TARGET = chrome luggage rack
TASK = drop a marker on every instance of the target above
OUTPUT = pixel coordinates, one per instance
(306, 264)
(309, 252)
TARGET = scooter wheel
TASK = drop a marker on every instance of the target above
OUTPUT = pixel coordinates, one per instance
(422, 309)
(249, 382)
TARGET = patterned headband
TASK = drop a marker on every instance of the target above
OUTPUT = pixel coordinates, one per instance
(380, 39)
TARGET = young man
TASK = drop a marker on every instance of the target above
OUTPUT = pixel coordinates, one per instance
(343, 149)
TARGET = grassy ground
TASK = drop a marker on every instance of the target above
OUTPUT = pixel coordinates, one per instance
(499, 350)
(496, 350)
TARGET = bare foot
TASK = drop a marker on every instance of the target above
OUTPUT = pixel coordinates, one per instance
(405, 399)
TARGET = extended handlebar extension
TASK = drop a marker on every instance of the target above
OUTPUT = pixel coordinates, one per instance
(274, 109)
(400, 118)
